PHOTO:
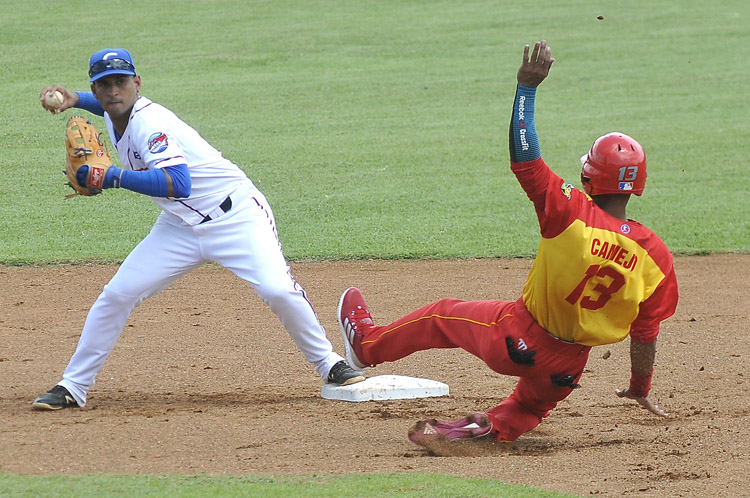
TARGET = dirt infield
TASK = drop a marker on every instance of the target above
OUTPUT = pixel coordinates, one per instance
(205, 380)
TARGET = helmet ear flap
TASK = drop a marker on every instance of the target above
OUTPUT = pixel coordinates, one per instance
(586, 184)
(585, 180)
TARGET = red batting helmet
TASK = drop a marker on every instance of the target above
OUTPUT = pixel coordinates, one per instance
(616, 164)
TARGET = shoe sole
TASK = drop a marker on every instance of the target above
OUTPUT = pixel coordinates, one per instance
(416, 434)
(350, 355)
(45, 406)
(353, 380)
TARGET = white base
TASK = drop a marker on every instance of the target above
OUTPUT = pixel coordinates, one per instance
(383, 387)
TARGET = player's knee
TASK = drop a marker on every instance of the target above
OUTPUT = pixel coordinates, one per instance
(274, 295)
(114, 297)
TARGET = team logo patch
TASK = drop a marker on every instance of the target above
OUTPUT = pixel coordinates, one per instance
(567, 188)
(625, 228)
(625, 186)
(157, 143)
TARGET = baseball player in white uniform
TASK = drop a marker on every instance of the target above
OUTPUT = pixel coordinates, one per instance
(211, 211)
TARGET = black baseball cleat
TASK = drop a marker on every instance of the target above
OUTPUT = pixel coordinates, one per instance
(55, 399)
(342, 374)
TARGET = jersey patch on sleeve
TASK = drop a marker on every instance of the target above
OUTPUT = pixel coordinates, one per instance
(567, 188)
(157, 143)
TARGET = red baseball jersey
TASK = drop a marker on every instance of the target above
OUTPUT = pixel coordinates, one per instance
(596, 278)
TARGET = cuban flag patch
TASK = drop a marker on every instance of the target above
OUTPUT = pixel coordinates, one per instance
(157, 143)
(622, 186)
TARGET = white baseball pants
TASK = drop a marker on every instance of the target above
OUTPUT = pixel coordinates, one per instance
(243, 240)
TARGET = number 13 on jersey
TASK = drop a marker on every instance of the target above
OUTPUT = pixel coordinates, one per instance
(606, 282)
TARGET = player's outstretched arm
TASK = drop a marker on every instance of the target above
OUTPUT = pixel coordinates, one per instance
(523, 140)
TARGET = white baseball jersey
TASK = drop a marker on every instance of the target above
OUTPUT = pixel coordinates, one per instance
(156, 138)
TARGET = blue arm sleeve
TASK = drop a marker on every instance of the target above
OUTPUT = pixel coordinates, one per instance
(523, 140)
(152, 182)
(88, 102)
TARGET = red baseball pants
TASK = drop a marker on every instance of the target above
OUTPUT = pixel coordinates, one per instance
(503, 335)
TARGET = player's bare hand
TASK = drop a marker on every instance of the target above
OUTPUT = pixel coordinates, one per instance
(643, 401)
(534, 69)
(69, 99)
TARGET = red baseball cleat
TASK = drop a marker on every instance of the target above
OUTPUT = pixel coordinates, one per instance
(355, 320)
(428, 432)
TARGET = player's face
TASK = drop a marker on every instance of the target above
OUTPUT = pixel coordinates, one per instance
(117, 94)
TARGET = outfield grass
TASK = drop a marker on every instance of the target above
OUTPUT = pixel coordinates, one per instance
(378, 129)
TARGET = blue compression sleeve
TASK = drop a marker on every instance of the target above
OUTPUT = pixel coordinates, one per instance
(523, 141)
(182, 185)
(152, 182)
(88, 102)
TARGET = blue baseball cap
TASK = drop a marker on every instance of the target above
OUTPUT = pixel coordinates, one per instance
(110, 61)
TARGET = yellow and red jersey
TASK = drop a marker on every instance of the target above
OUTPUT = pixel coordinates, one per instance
(596, 278)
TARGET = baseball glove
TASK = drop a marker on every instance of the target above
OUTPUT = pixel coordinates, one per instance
(88, 159)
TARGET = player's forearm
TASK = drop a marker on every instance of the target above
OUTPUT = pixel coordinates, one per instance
(172, 181)
(88, 102)
(642, 356)
(523, 140)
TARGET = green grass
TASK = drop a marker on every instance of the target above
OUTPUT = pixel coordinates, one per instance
(380, 485)
(378, 129)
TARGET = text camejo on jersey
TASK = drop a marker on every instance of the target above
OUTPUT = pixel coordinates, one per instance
(615, 253)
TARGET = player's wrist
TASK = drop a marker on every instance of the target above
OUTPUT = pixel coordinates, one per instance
(640, 383)
(113, 178)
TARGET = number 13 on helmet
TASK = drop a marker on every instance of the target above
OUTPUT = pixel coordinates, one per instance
(616, 164)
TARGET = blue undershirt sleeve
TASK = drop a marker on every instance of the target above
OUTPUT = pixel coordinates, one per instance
(88, 102)
(523, 140)
(154, 182)
(182, 185)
